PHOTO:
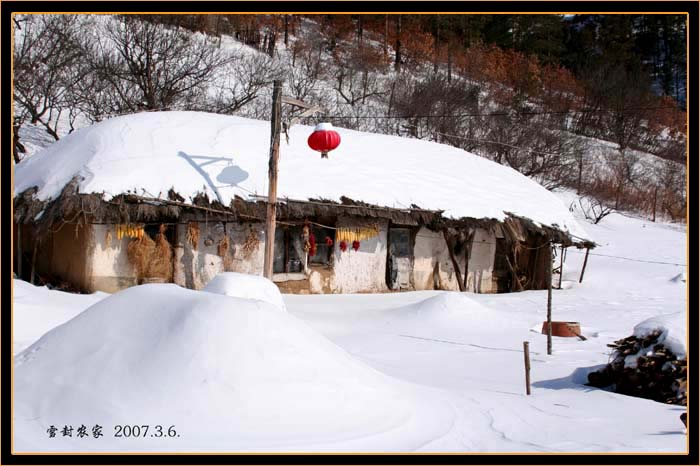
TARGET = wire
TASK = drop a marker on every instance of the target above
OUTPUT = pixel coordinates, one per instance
(634, 260)
(493, 114)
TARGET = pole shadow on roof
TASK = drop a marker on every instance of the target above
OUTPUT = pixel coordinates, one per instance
(231, 175)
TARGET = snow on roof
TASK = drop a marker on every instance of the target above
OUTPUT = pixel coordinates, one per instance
(226, 156)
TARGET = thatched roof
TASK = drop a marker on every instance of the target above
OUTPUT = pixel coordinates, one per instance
(74, 207)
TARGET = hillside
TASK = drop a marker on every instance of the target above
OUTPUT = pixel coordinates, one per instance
(502, 103)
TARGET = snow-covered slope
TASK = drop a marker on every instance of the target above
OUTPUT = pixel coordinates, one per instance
(227, 373)
(38, 309)
(227, 156)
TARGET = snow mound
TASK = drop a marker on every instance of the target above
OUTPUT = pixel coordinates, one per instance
(222, 370)
(38, 309)
(226, 156)
(672, 328)
(450, 302)
(242, 285)
(448, 310)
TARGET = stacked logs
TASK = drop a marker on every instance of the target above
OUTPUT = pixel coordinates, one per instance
(646, 368)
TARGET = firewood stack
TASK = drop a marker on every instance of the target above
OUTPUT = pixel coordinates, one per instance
(645, 368)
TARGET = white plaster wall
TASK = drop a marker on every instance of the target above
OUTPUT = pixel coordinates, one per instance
(363, 270)
(194, 268)
(111, 270)
(424, 259)
(433, 266)
(481, 261)
(239, 260)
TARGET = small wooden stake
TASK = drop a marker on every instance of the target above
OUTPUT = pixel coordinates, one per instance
(583, 269)
(526, 349)
(549, 305)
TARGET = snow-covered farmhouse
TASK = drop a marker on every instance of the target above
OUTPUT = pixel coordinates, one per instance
(181, 196)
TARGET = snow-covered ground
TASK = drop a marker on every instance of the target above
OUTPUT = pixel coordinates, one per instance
(417, 371)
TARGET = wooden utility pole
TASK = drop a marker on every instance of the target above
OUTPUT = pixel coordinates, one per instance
(549, 303)
(270, 224)
(526, 350)
(583, 269)
(275, 134)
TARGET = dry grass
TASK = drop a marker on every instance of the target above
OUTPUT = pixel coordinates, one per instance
(152, 258)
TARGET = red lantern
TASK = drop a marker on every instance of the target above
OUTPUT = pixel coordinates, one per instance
(356, 245)
(343, 246)
(324, 139)
(329, 241)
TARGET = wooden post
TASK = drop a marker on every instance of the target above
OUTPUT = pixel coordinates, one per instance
(19, 250)
(526, 350)
(467, 253)
(585, 261)
(653, 213)
(276, 129)
(31, 278)
(549, 304)
(455, 265)
(561, 266)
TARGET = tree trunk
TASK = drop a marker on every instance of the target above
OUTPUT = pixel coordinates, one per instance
(436, 45)
(359, 29)
(449, 61)
(397, 63)
(386, 35)
(580, 173)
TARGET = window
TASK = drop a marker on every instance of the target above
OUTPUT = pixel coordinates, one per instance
(400, 242)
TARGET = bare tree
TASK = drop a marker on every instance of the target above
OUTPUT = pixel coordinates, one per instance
(242, 80)
(356, 74)
(152, 67)
(593, 208)
(306, 66)
(45, 54)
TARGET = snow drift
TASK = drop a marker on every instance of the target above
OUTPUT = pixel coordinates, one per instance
(38, 309)
(222, 370)
(243, 285)
(227, 156)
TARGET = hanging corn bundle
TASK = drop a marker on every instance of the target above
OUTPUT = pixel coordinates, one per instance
(129, 230)
(356, 234)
